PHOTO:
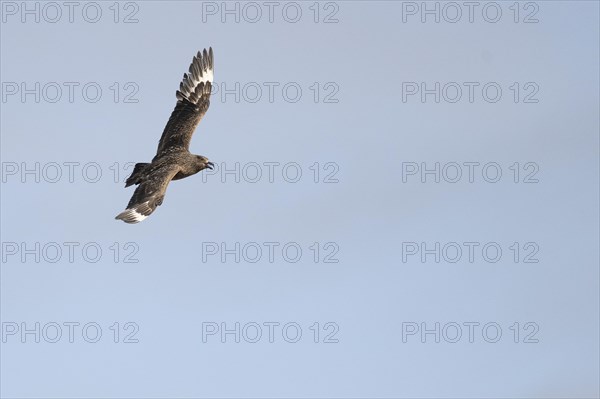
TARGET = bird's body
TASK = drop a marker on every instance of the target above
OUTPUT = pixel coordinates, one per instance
(173, 161)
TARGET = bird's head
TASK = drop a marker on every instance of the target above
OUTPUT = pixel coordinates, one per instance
(204, 162)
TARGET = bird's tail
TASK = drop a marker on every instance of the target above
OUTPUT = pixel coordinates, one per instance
(136, 175)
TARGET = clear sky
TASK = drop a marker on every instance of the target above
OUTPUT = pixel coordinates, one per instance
(405, 204)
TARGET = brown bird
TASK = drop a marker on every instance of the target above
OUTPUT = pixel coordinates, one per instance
(173, 160)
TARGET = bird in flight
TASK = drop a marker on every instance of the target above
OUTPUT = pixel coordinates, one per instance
(173, 160)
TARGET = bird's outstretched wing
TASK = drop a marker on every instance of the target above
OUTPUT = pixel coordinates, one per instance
(193, 99)
(149, 194)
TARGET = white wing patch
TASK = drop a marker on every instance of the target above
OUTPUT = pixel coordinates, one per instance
(200, 74)
(131, 215)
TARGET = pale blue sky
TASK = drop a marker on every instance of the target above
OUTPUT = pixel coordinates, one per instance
(362, 133)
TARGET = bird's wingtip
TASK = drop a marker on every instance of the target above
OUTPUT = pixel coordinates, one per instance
(131, 216)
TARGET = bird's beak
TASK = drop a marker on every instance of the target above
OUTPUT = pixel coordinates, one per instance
(210, 165)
